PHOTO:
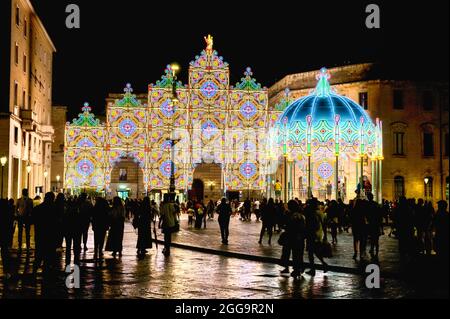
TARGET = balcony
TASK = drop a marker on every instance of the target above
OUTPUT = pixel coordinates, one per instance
(28, 120)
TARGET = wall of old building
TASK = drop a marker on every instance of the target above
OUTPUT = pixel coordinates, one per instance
(27, 125)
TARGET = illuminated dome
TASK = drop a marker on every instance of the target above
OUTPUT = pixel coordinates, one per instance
(324, 104)
(330, 141)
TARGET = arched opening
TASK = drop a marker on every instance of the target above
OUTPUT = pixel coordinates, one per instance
(207, 182)
(399, 187)
(127, 179)
(197, 192)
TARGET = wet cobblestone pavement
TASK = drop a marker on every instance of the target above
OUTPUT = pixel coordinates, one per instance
(244, 238)
(195, 275)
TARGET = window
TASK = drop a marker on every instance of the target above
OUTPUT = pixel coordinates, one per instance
(398, 100)
(16, 54)
(446, 141)
(427, 101)
(428, 187)
(399, 187)
(16, 92)
(24, 99)
(399, 138)
(25, 28)
(16, 135)
(17, 16)
(123, 175)
(24, 138)
(24, 63)
(363, 100)
(428, 145)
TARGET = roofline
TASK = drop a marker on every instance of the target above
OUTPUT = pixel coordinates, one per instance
(41, 25)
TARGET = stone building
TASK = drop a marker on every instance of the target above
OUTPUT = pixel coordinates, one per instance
(415, 124)
(59, 119)
(26, 132)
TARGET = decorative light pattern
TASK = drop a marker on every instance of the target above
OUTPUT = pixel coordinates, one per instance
(325, 170)
(210, 114)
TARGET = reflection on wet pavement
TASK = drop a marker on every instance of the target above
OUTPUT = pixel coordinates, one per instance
(193, 275)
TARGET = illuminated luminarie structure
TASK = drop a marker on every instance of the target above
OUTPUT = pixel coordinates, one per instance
(327, 139)
(232, 127)
(213, 121)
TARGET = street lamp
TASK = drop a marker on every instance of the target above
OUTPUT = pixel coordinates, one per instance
(28, 176)
(3, 161)
(426, 180)
(175, 69)
(57, 182)
(45, 180)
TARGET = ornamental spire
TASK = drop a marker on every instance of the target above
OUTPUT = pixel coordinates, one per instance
(209, 43)
(323, 87)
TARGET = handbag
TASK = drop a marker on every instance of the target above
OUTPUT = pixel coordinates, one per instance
(282, 240)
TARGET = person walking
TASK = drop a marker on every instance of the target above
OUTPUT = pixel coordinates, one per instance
(71, 225)
(210, 209)
(85, 211)
(45, 218)
(114, 243)
(358, 222)
(100, 225)
(6, 222)
(224, 212)
(315, 228)
(143, 223)
(268, 217)
(278, 189)
(441, 227)
(168, 222)
(247, 210)
(12, 213)
(332, 213)
(191, 213)
(61, 207)
(200, 215)
(405, 227)
(293, 239)
(24, 211)
(375, 225)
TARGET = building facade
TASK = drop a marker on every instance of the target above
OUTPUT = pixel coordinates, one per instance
(415, 125)
(26, 132)
(59, 120)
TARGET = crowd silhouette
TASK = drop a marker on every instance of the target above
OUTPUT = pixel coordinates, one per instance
(64, 222)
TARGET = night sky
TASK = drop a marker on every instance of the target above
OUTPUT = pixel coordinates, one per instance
(132, 41)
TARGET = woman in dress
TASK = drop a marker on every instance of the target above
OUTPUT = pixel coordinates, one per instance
(117, 222)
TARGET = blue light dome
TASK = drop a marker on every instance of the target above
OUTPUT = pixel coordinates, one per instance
(323, 104)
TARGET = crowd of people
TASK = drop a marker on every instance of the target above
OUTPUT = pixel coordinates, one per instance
(59, 220)
(418, 227)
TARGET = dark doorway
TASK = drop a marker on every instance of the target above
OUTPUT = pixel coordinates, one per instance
(198, 190)
(231, 196)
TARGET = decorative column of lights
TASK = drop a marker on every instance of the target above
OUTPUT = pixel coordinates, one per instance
(374, 162)
(309, 152)
(337, 151)
(380, 159)
(362, 155)
(28, 168)
(45, 181)
(285, 156)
